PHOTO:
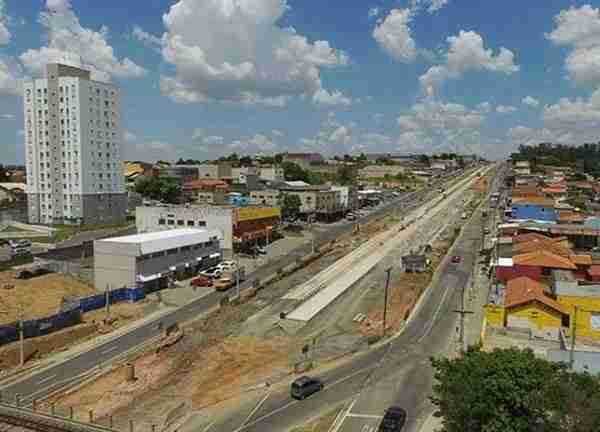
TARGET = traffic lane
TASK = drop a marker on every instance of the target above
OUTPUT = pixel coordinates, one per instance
(105, 352)
(298, 412)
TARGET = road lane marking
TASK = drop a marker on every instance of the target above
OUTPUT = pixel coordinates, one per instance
(47, 379)
(208, 427)
(367, 428)
(255, 409)
(435, 316)
(271, 414)
(106, 351)
(366, 416)
(337, 426)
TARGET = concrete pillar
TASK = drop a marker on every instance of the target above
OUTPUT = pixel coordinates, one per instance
(130, 425)
(91, 416)
(129, 372)
(71, 413)
(17, 400)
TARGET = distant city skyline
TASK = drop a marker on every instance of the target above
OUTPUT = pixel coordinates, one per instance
(204, 78)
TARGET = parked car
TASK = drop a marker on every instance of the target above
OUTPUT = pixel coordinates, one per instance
(226, 265)
(456, 259)
(201, 281)
(305, 386)
(393, 420)
(224, 283)
(213, 273)
(261, 250)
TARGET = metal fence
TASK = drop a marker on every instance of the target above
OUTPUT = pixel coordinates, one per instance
(69, 316)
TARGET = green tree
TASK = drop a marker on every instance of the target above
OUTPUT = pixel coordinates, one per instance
(245, 161)
(513, 391)
(164, 189)
(346, 175)
(290, 206)
(3, 174)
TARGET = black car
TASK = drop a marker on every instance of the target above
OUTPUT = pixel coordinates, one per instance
(393, 420)
(305, 386)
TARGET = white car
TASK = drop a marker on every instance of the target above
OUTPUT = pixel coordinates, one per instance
(226, 265)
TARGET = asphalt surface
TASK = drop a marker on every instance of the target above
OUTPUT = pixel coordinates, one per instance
(398, 373)
(63, 374)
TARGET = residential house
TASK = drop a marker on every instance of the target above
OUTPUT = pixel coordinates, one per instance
(581, 299)
(522, 168)
(535, 265)
(268, 197)
(205, 191)
(527, 306)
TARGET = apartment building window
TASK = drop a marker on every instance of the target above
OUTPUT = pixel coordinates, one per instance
(190, 223)
(170, 222)
(162, 221)
(172, 251)
(180, 222)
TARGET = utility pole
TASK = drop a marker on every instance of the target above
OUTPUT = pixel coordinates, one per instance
(237, 276)
(462, 312)
(107, 306)
(387, 284)
(21, 336)
(573, 335)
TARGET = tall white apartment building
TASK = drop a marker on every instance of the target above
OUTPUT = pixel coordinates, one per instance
(73, 149)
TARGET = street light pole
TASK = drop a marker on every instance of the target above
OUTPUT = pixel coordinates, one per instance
(21, 336)
(573, 335)
(387, 284)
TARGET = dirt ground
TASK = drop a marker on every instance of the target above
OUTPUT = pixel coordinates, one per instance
(39, 296)
(91, 326)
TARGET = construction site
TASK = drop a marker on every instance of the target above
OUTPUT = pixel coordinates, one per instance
(196, 373)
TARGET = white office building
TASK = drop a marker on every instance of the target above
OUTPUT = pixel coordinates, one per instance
(73, 148)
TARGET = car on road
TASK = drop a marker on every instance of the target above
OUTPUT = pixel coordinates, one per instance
(201, 281)
(223, 284)
(393, 420)
(456, 259)
(261, 250)
(213, 273)
(305, 386)
(486, 230)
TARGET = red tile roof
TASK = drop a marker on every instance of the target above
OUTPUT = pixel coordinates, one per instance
(570, 216)
(542, 245)
(583, 260)
(523, 290)
(205, 184)
(520, 238)
(543, 258)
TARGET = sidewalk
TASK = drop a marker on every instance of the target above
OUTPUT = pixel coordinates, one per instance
(431, 424)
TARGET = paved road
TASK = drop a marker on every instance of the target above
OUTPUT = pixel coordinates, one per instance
(398, 373)
(60, 375)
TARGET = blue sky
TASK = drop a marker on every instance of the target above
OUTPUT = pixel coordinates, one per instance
(203, 78)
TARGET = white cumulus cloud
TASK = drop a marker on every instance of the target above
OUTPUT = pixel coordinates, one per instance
(336, 97)
(393, 35)
(70, 42)
(531, 101)
(579, 29)
(505, 109)
(236, 51)
(466, 52)
(374, 11)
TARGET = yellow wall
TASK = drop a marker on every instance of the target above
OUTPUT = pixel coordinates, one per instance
(538, 315)
(494, 315)
(587, 305)
(253, 213)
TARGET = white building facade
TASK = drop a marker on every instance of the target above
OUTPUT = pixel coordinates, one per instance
(73, 149)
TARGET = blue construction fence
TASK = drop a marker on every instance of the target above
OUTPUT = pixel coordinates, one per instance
(67, 318)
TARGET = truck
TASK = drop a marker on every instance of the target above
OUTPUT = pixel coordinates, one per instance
(229, 278)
